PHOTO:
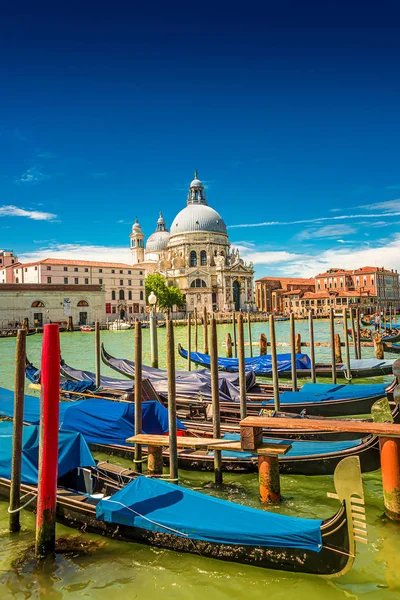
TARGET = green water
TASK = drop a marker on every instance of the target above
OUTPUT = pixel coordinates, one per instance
(133, 571)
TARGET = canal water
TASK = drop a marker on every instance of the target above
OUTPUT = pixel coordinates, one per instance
(129, 571)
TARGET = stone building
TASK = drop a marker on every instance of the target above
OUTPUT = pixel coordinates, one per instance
(270, 291)
(196, 256)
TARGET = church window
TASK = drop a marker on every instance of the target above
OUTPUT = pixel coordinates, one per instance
(65, 280)
(203, 258)
(100, 270)
(121, 282)
(141, 295)
(76, 280)
(121, 295)
(100, 281)
(37, 304)
(113, 295)
(198, 283)
(129, 281)
(130, 295)
(193, 259)
(83, 303)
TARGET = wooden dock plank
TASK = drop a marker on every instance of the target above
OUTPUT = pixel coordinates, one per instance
(362, 427)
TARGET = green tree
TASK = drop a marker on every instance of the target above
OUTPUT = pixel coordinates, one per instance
(167, 296)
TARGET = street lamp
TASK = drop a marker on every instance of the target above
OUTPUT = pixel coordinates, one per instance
(153, 331)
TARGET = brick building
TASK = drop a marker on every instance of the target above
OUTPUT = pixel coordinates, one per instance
(270, 291)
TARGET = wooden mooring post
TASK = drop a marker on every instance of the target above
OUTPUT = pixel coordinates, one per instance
(196, 332)
(390, 464)
(346, 345)
(333, 343)
(228, 345)
(378, 346)
(48, 442)
(274, 360)
(216, 417)
(138, 394)
(297, 343)
(312, 348)
(263, 344)
(358, 327)
(97, 352)
(337, 349)
(16, 459)
(354, 333)
(173, 446)
(189, 341)
(234, 333)
(241, 367)
(249, 334)
(293, 351)
(205, 330)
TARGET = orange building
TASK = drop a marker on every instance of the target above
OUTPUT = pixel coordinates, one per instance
(270, 291)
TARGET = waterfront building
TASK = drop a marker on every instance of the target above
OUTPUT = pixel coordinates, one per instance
(44, 303)
(7, 262)
(123, 284)
(270, 291)
(196, 256)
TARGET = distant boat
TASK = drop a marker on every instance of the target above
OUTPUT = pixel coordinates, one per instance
(86, 328)
(119, 325)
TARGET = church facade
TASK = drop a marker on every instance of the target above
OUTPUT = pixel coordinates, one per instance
(196, 256)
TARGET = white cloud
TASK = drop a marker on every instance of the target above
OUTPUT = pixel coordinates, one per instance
(32, 175)
(385, 207)
(382, 254)
(328, 231)
(80, 252)
(14, 211)
(321, 219)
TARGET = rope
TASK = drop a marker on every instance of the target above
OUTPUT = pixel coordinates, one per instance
(11, 512)
(147, 519)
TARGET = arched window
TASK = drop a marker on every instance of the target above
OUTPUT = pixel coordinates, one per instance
(121, 295)
(196, 283)
(130, 295)
(113, 295)
(203, 258)
(37, 304)
(83, 303)
(193, 259)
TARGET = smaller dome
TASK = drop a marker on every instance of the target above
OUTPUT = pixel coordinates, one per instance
(196, 183)
(136, 226)
(158, 241)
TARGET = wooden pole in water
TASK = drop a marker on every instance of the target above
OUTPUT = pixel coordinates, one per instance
(97, 351)
(196, 332)
(249, 332)
(354, 333)
(16, 459)
(293, 351)
(138, 393)
(312, 348)
(216, 417)
(173, 446)
(346, 345)
(48, 442)
(390, 317)
(338, 349)
(390, 463)
(228, 345)
(263, 344)
(378, 346)
(234, 333)
(269, 481)
(358, 327)
(242, 368)
(275, 379)
(189, 341)
(205, 329)
(333, 341)
(297, 343)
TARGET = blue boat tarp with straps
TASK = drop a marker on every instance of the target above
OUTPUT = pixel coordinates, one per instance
(33, 375)
(73, 452)
(325, 392)
(260, 365)
(163, 507)
(100, 421)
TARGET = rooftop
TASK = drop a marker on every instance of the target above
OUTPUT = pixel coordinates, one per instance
(48, 287)
(289, 280)
(77, 263)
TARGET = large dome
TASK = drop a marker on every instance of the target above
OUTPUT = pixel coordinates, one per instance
(197, 217)
(157, 241)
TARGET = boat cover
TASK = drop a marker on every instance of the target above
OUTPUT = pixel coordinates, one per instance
(105, 382)
(100, 421)
(73, 452)
(159, 506)
(322, 392)
(33, 375)
(299, 448)
(359, 364)
(259, 365)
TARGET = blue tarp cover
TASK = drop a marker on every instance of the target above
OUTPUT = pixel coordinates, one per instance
(299, 448)
(260, 365)
(161, 507)
(100, 421)
(321, 392)
(73, 452)
(33, 375)
(368, 363)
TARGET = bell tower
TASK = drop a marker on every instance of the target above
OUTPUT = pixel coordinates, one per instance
(137, 243)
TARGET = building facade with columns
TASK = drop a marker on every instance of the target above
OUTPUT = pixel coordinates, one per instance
(196, 256)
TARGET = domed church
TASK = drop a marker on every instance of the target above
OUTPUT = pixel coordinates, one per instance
(196, 256)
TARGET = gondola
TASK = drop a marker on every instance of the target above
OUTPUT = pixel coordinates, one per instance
(315, 399)
(114, 502)
(262, 366)
(107, 425)
(382, 325)
(391, 336)
(393, 348)
(5, 333)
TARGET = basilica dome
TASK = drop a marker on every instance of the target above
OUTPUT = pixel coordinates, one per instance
(198, 217)
(157, 241)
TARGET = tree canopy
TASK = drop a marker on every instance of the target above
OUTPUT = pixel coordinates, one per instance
(167, 296)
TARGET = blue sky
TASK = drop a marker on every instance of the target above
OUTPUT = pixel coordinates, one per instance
(290, 112)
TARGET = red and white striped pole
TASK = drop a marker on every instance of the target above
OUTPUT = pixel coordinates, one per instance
(48, 442)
